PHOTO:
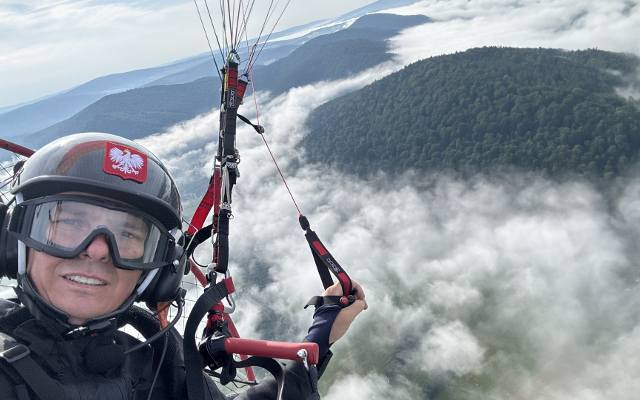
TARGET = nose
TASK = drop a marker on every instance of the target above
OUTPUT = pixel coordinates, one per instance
(98, 249)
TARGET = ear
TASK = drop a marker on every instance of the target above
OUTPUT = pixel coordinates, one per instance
(166, 283)
(164, 286)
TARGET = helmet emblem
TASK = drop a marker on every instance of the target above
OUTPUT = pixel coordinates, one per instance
(126, 162)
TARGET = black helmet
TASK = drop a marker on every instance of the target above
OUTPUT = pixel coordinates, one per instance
(96, 163)
(109, 167)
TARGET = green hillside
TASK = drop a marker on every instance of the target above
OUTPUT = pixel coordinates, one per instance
(545, 110)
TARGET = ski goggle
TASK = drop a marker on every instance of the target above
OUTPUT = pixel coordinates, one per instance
(65, 225)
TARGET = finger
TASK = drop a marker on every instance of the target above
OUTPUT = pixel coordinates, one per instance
(333, 290)
(348, 314)
(356, 308)
(358, 289)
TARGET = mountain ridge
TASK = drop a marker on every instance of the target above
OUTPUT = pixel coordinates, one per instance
(155, 108)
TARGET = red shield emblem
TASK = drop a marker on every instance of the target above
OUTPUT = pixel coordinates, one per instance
(126, 162)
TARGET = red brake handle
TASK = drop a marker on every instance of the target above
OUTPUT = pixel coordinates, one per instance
(267, 348)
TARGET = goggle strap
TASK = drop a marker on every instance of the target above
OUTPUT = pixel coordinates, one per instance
(147, 280)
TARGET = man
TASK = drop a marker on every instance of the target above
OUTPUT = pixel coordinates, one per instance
(96, 226)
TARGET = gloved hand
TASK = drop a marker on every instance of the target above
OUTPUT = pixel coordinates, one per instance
(331, 322)
(348, 314)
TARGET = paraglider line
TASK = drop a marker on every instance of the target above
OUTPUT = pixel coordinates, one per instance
(295, 203)
(208, 41)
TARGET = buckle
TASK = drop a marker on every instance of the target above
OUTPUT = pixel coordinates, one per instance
(15, 353)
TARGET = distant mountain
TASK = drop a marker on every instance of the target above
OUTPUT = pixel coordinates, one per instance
(542, 110)
(40, 114)
(377, 6)
(136, 113)
(19, 120)
(16, 120)
(206, 69)
(139, 112)
(337, 55)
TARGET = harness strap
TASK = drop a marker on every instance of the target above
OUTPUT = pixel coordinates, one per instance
(192, 359)
(21, 389)
(22, 392)
(205, 205)
(198, 238)
(271, 365)
(18, 357)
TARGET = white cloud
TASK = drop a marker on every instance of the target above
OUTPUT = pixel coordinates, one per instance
(462, 24)
(450, 348)
(369, 387)
(527, 285)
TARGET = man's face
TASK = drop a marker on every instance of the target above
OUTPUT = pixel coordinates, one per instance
(88, 285)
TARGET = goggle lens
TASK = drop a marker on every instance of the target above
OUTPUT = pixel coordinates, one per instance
(65, 225)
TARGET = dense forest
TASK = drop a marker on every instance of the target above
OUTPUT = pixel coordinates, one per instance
(553, 111)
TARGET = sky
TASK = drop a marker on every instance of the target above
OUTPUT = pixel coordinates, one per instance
(497, 287)
(51, 45)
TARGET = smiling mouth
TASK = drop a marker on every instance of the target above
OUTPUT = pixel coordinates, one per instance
(85, 280)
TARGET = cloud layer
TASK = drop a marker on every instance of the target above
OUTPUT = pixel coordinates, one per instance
(462, 24)
(500, 287)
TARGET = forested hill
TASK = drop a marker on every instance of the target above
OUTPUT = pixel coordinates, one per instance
(545, 110)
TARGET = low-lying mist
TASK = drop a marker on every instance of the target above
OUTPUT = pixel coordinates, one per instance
(500, 287)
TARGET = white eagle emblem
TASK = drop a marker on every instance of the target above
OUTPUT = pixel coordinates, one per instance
(125, 162)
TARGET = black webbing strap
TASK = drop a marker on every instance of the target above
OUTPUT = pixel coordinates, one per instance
(318, 301)
(258, 128)
(200, 236)
(192, 358)
(327, 265)
(222, 241)
(321, 266)
(18, 357)
(18, 383)
(22, 392)
(271, 365)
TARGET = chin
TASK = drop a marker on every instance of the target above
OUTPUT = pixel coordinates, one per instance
(78, 315)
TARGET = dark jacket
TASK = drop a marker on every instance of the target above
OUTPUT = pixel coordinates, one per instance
(72, 361)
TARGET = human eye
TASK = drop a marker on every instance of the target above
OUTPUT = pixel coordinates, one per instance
(131, 235)
(67, 221)
(133, 229)
(131, 243)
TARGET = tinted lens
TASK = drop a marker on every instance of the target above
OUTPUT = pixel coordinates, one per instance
(65, 224)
